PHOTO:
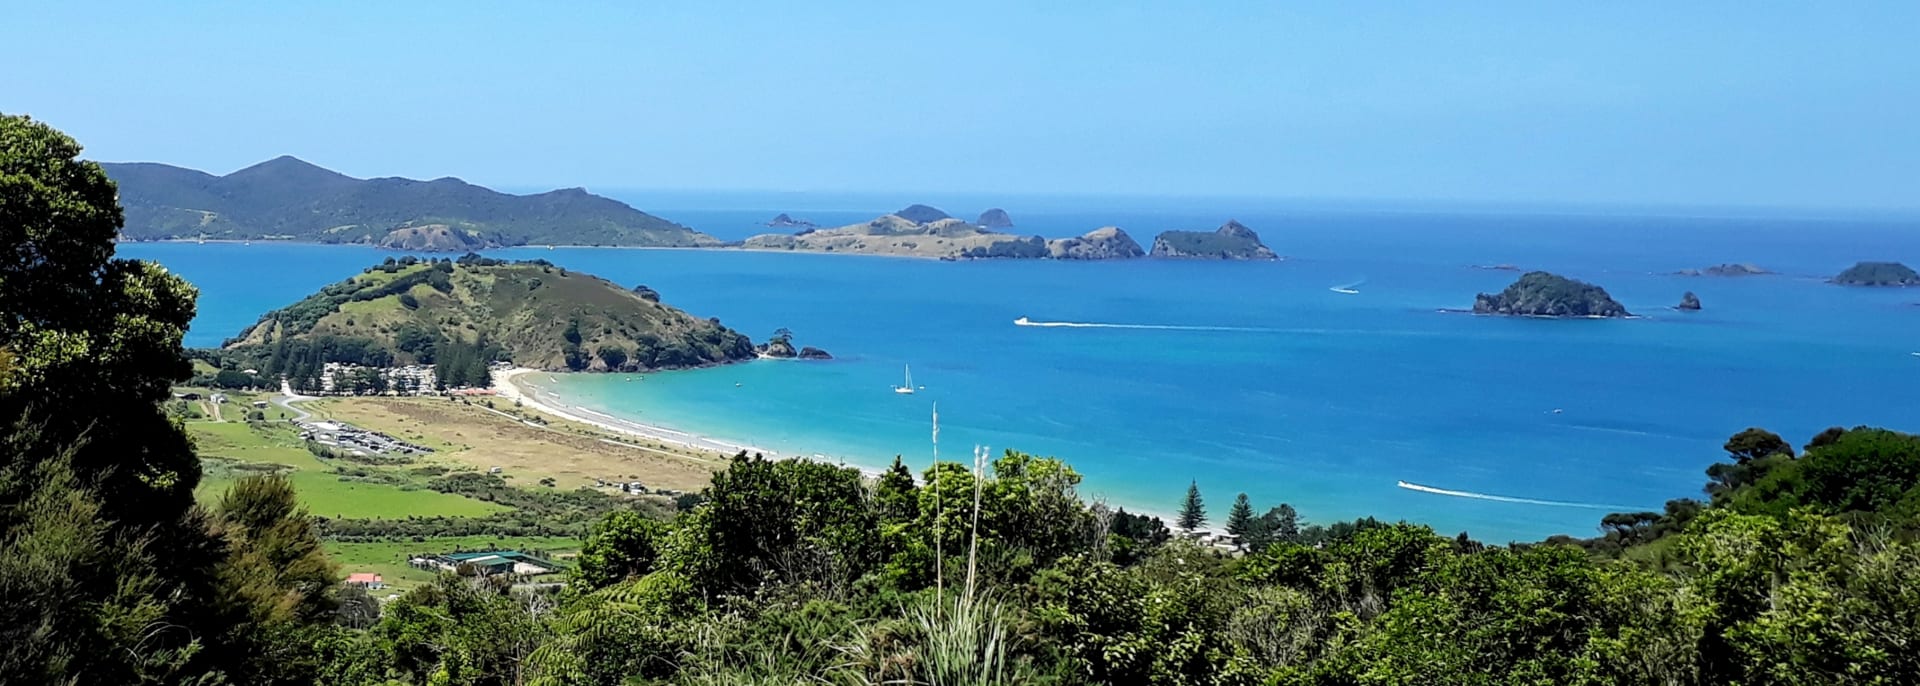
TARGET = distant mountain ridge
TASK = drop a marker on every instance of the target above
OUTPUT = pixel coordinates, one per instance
(287, 198)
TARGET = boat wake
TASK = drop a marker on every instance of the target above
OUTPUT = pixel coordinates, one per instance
(1023, 321)
(1348, 289)
(1507, 499)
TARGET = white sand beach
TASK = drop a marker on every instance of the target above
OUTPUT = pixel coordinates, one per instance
(505, 383)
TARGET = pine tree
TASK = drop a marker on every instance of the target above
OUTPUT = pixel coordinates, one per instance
(1193, 513)
(1240, 518)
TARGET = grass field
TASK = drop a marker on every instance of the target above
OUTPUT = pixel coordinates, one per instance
(389, 559)
(571, 454)
(323, 492)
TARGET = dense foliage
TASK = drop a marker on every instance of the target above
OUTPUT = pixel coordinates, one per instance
(800, 572)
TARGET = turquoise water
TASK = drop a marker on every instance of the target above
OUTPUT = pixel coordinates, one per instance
(1283, 388)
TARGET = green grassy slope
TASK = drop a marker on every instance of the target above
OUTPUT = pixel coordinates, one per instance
(528, 310)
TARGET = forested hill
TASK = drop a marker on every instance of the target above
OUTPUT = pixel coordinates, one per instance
(290, 199)
(481, 309)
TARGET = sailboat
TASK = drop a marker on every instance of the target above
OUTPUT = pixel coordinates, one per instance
(906, 389)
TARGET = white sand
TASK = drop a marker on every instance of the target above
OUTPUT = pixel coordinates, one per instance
(542, 401)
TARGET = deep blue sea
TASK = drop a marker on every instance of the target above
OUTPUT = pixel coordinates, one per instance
(1276, 386)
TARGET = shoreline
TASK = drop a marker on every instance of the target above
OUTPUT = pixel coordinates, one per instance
(507, 384)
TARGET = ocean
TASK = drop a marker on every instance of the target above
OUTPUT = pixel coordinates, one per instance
(1259, 377)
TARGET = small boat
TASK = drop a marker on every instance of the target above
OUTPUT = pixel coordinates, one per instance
(907, 388)
(736, 384)
(1022, 322)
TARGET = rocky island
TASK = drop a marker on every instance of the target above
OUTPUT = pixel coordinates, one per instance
(1878, 274)
(1232, 241)
(923, 231)
(1688, 302)
(1541, 294)
(475, 310)
(1105, 243)
(783, 221)
(915, 231)
(1730, 269)
(995, 218)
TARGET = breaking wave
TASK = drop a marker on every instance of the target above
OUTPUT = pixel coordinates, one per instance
(1509, 499)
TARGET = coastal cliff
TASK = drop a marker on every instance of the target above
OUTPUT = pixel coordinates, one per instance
(1878, 274)
(1232, 241)
(1540, 294)
(1105, 243)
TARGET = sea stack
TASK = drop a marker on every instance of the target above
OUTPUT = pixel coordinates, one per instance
(995, 218)
(1540, 294)
(1688, 302)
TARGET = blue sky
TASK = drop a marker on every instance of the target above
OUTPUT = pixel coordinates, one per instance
(1703, 104)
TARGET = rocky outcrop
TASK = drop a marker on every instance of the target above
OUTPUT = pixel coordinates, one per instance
(1730, 269)
(1540, 294)
(1688, 302)
(1878, 274)
(1030, 247)
(812, 353)
(782, 221)
(1106, 243)
(778, 347)
(1232, 241)
(646, 293)
(431, 238)
(995, 218)
(921, 214)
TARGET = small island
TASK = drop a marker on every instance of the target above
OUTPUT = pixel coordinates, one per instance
(1541, 294)
(1730, 269)
(1232, 241)
(1878, 274)
(780, 347)
(458, 317)
(784, 221)
(1688, 302)
(995, 218)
